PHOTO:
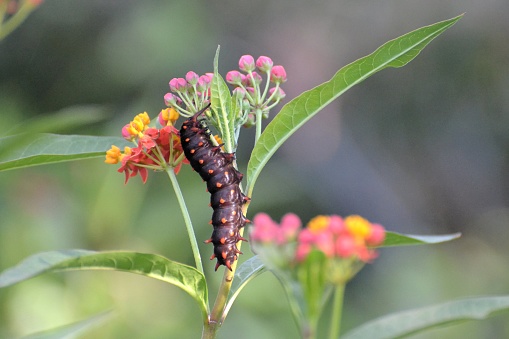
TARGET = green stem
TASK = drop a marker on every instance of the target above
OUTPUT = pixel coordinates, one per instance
(16, 20)
(217, 315)
(337, 310)
(258, 114)
(187, 218)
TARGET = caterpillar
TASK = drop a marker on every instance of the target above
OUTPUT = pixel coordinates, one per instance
(216, 169)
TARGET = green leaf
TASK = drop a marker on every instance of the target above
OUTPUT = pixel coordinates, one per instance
(409, 322)
(221, 104)
(395, 53)
(72, 330)
(61, 121)
(38, 149)
(396, 239)
(246, 272)
(150, 265)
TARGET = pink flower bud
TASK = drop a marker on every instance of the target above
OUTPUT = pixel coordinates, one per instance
(246, 63)
(253, 77)
(302, 252)
(278, 74)
(234, 77)
(204, 82)
(345, 246)
(170, 99)
(250, 90)
(325, 243)
(377, 235)
(264, 64)
(280, 94)
(125, 132)
(336, 225)
(306, 236)
(239, 93)
(250, 121)
(290, 224)
(264, 229)
(178, 85)
(210, 76)
(191, 77)
(288, 229)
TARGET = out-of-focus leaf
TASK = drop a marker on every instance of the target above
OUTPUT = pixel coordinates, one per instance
(71, 330)
(38, 149)
(395, 53)
(246, 272)
(154, 266)
(396, 239)
(61, 121)
(405, 323)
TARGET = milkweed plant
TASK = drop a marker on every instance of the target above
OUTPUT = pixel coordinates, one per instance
(313, 260)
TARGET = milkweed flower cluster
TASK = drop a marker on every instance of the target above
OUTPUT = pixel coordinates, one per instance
(248, 86)
(349, 241)
(156, 148)
(190, 94)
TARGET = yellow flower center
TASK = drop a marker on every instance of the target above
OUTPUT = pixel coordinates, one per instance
(358, 226)
(144, 118)
(113, 155)
(318, 224)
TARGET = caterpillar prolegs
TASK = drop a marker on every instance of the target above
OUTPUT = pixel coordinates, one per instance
(216, 168)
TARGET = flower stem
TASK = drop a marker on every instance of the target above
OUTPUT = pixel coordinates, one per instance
(17, 19)
(337, 310)
(187, 218)
(218, 314)
(258, 113)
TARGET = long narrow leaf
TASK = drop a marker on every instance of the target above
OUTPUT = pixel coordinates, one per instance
(396, 239)
(61, 121)
(72, 330)
(221, 102)
(246, 272)
(409, 322)
(39, 149)
(150, 265)
(395, 53)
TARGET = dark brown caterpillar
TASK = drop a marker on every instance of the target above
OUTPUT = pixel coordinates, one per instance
(216, 168)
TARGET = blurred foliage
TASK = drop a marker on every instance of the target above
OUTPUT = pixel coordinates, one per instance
(423, 149)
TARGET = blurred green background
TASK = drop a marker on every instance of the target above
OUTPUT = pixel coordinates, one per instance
(423, 149)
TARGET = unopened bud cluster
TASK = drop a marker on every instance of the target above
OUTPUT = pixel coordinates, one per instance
(348, 241)
(190, 94)
(250, 92)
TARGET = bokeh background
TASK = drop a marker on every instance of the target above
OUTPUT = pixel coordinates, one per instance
(423, 149)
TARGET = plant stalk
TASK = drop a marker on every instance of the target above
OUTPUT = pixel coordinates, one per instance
(258, 114)
(187, 218)
(337, 310)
